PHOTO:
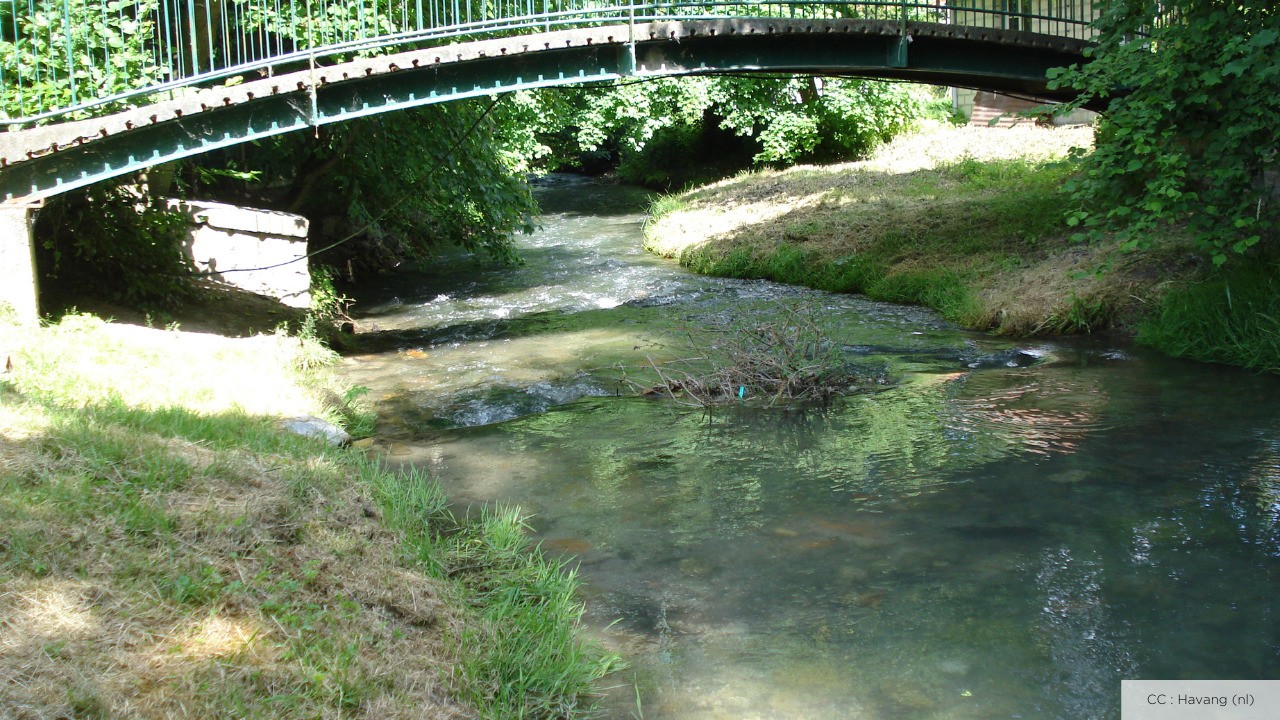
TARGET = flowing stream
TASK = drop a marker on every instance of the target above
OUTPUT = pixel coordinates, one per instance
(988, 529)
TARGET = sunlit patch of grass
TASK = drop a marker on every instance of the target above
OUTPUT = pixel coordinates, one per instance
(83, 360)
(968, 222)
(166, 550)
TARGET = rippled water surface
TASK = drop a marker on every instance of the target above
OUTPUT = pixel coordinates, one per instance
(987, 530)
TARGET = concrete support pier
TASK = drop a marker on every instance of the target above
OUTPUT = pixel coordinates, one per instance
(19, 292)
(261, 251)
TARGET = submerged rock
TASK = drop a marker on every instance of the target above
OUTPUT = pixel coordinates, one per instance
(1015, 357)
(569, 545)
(1069, 476)
(319, 428)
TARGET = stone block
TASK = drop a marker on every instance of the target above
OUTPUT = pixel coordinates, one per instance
(262, 251)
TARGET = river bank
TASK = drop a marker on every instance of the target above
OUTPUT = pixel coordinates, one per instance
(168, 549)
(966, 220)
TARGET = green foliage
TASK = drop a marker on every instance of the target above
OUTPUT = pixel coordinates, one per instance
(390, 188)
(422, 177)
(327, 303)
(1189, 135)
(356, 413)
(1233, 317)
(675, 130)
(114, 243)
(663, 162)
(105, 53)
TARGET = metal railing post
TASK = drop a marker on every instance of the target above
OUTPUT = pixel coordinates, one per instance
(628, 60)
(71, 59)
(314, 119)
(898, 57)
(194, 39)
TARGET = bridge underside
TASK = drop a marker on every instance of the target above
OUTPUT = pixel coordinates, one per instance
(46, 161)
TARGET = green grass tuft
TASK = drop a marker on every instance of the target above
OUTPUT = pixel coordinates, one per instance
(941, 288)
(1232, 317)
(522, 657)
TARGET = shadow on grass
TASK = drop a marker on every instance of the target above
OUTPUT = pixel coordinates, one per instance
(209, 308)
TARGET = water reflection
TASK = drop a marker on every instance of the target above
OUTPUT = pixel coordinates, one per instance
(859, 557)
(1043, 414)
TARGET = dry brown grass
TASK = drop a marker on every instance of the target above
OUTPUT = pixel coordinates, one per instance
(940, 145)
(98, 631)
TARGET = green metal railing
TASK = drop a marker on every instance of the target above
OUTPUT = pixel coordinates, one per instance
(63, 59)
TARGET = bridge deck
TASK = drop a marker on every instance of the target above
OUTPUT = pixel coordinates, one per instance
(207, 81)
(68, 57)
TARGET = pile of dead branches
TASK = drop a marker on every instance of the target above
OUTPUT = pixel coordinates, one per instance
(786, 357)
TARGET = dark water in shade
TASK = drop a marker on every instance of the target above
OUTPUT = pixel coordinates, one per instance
(1003, 531)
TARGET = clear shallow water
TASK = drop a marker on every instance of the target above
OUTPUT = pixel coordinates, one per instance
(1004, 532)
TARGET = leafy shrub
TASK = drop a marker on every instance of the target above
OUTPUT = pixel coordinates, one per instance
(672, 131)
(1189, 136)
(116, 245)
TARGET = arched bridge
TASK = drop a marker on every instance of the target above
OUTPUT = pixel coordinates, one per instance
(93, 89)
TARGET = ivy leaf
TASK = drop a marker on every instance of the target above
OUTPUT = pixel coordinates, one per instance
(1263, 38)
(1236, 67)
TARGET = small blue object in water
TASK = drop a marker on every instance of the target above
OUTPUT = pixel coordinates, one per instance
(742, 391)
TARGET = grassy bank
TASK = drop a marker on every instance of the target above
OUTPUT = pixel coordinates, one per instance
(1229, 315)
(964, 220)
(167, 551)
